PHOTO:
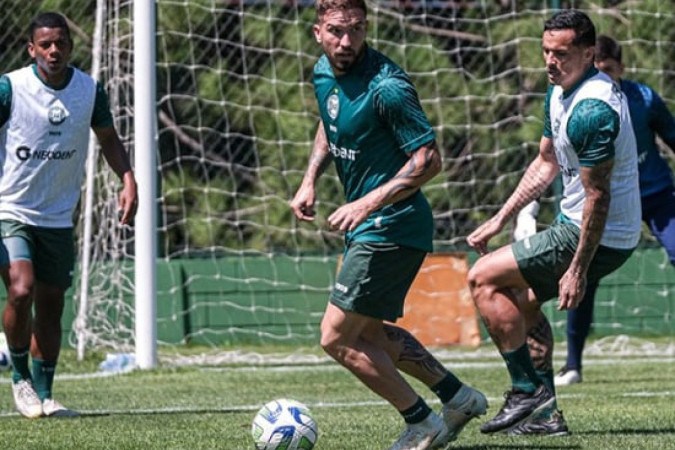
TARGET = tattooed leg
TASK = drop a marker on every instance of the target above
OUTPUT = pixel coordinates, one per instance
(411, 357)
(540, 342)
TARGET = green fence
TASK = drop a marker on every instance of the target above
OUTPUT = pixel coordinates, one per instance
(264, 299)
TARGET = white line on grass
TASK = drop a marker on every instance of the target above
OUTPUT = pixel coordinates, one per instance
(317, 405)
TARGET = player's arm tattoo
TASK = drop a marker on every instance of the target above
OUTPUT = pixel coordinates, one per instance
(321, 157)
(412, 351)
(422, 166)
(596, 182)
(534, 182)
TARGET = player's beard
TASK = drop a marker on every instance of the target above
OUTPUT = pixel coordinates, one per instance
(344, 64)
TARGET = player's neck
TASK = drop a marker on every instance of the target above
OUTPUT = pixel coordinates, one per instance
(55, 80)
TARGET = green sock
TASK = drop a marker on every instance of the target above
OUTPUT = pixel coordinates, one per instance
(43, 377)
(20, 370)
(523, 375)
(547, 377)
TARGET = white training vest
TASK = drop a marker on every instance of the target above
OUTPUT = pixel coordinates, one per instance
(622, 230)
(43, 149)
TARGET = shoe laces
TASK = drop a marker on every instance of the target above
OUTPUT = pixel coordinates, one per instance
(26, 392)
(512, 396)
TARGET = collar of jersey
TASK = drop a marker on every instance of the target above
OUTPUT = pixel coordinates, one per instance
(69, 76)
(591, 72)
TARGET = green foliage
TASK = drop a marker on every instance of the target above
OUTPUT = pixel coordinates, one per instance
(239, 114)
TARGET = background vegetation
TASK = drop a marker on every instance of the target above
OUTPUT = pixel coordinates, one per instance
(237, 110)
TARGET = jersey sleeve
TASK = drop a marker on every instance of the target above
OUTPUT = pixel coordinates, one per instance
(5, 99)
(592, 129)
(399, 108)
(547, 113)
(661, 120)
(101, 117)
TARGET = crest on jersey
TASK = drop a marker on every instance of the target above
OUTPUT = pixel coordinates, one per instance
(333, 106)
(56, 115)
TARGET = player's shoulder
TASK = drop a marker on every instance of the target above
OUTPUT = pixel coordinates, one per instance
(18, 74)
(82, 75)
(637, 91)
(385, 75)
(322, 67)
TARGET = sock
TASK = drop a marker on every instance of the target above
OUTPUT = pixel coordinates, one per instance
(523, 375)
(547, 376)
(447, 387)
(43, 377)
(20, 370)
(417, 412)
(579, 322)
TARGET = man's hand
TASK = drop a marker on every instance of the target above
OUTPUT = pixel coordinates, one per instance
(128, 199)
(482, 235)
(571, 289)
(303, 203)
(348, 217)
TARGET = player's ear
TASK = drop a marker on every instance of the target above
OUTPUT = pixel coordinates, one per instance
(31, 49)
(316, 29)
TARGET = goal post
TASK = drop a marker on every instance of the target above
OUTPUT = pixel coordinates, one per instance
(145, 143)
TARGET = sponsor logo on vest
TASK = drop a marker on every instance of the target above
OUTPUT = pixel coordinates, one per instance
(24, 154)
(569, 171)
(56, 115)
(341, 152)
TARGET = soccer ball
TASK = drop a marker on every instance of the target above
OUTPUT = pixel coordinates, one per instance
(5, 360)
(284, 424)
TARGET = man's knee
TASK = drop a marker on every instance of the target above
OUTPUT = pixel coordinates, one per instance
(481, 282)
(19, 295)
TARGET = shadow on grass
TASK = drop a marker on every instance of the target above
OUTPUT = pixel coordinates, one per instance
(627, 431)
(518, 446)
(164, 411)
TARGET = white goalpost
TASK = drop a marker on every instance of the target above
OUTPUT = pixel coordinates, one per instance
(145, 126)
(145, 167)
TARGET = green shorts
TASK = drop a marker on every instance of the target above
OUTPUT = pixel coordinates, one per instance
(544, 258)
(374, 279)
(51, 250)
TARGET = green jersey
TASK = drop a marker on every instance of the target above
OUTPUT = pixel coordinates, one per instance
(373, 120)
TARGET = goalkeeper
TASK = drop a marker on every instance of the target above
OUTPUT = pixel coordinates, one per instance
(46, 111)
(373, 127)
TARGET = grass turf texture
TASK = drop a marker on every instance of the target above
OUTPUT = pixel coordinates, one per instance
(623, 403)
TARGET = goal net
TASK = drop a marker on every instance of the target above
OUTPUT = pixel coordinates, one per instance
(237, 115)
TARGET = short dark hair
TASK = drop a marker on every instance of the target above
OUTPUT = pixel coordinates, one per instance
(607, 48)
(323, 6)
(572, 19)
(48, 20)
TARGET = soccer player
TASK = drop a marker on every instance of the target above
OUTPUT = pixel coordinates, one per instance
(650, 118)
(46, 111)
(374, 129)
(588, 138)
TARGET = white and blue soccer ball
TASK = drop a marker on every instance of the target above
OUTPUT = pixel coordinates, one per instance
(5, 360)
(284, 424)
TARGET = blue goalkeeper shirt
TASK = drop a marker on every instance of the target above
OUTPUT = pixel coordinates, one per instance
(650, 118)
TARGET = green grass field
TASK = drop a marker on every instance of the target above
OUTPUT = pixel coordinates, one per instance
(625, 402)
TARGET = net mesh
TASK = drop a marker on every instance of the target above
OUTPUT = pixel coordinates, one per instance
(237, 116)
